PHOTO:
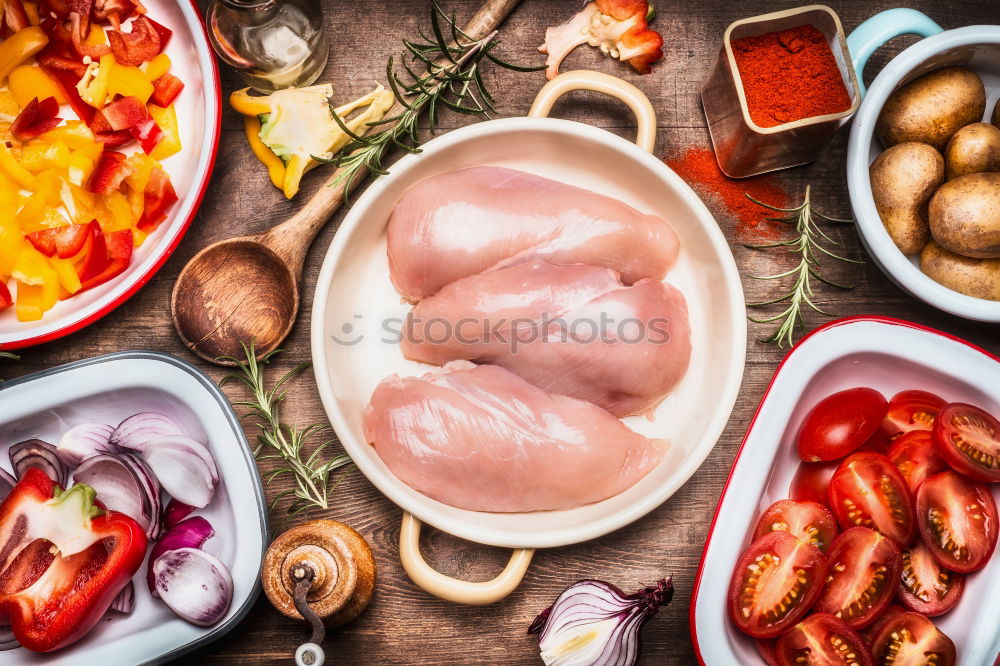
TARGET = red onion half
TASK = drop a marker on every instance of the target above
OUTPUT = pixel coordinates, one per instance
(194, 584)
(595, 623)
(124, 603)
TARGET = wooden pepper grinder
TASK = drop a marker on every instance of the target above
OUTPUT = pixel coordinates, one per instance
(322, 572)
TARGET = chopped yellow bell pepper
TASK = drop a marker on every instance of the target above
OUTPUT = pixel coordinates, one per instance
(128, 82)
(30, 217)
(119, 213)
(97, 36)
(34, 300)
(275, 167)
(142, 166)
(79, 168)
(93, 86)
(31, 9)
(36, 156)
(11, 244)
(156, 67)
(20, 46)
(68, 278)
(243, 103)
(170, 142)
(33, 268)
(77, 136)
(13, 170)
(28, 82)
(49, 182)
(8, 104)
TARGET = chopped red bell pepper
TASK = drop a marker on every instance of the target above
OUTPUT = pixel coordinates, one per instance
(36, 119)
(58, 7)
(14, 15)
(114, 139)
(64, 560)
(109, 173)
(163, 31)
(114, 11)
(165, 90)
(158, 197)
(67, 80)
(148, 134)
(93, 257)
(122, 114)
(58, 53)
(79, 29)
(65, 241)
(136, 47)
(5, 299)
(117, 247)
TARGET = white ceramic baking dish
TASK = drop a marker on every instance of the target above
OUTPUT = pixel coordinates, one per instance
(108, 389)
(354, 298)
(885, 354)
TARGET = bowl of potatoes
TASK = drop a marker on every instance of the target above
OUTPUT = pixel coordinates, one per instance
(923, 171)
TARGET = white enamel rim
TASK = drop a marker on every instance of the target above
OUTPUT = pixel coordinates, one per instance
(898, 267)
(199, 119)
(951, 367)
(468, 527)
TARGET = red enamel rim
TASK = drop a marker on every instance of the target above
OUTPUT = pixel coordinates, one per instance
(166, 253)
(692, 627)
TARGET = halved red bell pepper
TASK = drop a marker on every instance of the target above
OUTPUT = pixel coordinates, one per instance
(5, 298)
(65, 560)
(36, 119)
(64, 242)
(158, 197)
(109, 173)
(117, 247)
(165, 90)
(138, 46)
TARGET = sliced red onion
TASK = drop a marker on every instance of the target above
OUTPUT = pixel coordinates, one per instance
(190, 533)
(138, 430)
(188, 445)
(124, 603)
(182, 471)
(613, 618)
(7, 483)
(85, 441)
(118, 487)
(176, 512)
(7, 640)
(194, 584)
(36, 453)
(152, 486)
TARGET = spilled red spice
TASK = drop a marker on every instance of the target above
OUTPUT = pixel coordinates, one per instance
(697, 166)
(789, 75)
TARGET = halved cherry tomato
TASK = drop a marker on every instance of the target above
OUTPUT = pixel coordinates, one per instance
(822, 640)
(812, 482)
(879, 442)
(775, 584)
(808, 521)
(840, 423)
(910, 639)
(868, 491)
(958, 521)
(863, 575)
(925, 586)
(766, 649)
(969, 439)
(911, 410)
(916, 458)
(871, 632)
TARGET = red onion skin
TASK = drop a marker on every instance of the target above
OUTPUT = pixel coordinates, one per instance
(190, 533)
(176, 512)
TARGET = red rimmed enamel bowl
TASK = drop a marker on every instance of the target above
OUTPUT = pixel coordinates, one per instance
(888, 355)
(199, 115)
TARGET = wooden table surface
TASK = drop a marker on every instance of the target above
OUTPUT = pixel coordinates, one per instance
(404, 625)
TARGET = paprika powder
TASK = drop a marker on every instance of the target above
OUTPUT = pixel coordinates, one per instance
(789, 75)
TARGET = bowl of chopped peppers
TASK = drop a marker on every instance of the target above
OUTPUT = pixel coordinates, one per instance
(109, 120)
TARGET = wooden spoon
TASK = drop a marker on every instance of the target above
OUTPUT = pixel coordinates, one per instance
(247, 288)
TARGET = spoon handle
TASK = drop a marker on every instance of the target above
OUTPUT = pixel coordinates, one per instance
(291, 239)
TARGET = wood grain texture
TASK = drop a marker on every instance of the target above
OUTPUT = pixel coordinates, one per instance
(403, 625)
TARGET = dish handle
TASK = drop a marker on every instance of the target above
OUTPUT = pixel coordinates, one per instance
(453, 589)
(585, 79)
(879, 29)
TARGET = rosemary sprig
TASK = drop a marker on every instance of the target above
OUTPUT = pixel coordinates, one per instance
(807, 244)
(439, 71)
(282, 442)
(4, 354)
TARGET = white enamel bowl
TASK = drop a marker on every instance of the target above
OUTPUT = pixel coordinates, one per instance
(976, 47)
(355, 303)
(889, 356)
(198, 116)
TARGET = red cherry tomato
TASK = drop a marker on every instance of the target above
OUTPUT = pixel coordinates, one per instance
(808, 521)
(822, 640)
(958, 521)
(871, 632)
(811, 482)
(840, 423)
(879, 442)
(775, 584)
(863, 575)
(766, 649)
(910, 639)
(925, 586)
(969, 439)
(868, 491)
(911, 410)
(916, 458)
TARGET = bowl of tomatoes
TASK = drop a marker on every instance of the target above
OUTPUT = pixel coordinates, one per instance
(859, 521)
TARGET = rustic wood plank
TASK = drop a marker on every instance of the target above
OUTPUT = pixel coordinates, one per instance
(404, 625)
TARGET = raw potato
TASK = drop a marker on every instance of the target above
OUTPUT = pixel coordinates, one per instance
(973, 149)
(932, 108)
(996, 114)
(904, 178)
(964, 215)
(979, 278)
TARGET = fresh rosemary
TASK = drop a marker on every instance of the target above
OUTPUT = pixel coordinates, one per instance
(438, 72)
(282, 442)
(807, 244)
(4, 354)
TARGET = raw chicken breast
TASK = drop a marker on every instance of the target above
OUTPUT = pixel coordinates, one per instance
(463, 222)
(574, 330)
(480, 438)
